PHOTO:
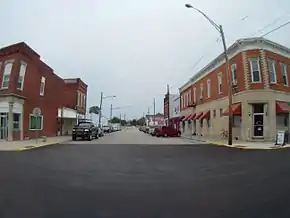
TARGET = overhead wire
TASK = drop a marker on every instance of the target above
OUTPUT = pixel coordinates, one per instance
(277, 28)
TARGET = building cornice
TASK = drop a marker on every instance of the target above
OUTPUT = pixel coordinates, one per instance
(239, 46)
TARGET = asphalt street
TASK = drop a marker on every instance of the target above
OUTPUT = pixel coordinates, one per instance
(144, 180)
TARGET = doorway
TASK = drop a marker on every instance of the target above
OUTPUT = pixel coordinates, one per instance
(3, 126)
(258, 120)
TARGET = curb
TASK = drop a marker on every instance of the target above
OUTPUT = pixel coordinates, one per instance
(243, 147)
(40, 146)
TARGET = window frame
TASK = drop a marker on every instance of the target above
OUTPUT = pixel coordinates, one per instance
(201, 91)
(42, 81)
(284, 67)
(273, 63)
(32, 115)
(220, 82)
(234, 74)
(208, 83)
(7, 74)
(259, 69)
(16, 122)
(22, 63)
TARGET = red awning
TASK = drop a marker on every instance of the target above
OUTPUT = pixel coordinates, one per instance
(236, 110)
(282, 107)
(187, 118)
(192, 117)
(198, 115)
(205, 115)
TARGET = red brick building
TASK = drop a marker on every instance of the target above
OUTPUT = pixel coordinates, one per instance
(26, 82)
(260, 83)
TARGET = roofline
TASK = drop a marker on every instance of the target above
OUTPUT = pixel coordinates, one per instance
(234, 46)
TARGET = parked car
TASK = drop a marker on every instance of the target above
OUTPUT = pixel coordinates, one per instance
(166, 131)
(147, 129)
(85, 130)
(152, 130)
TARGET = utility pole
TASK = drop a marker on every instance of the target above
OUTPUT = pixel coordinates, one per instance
(111, 112)
(100, 112)
(154, 111)
(168, 108)
(148, 116)
(230, 95)
(219, 28)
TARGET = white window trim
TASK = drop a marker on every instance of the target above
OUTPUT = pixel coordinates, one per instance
(22, 63)
(5, 63)
(251, 66)
(286, 73)
(208, 82)
(42, 80)
(190, 97)
(274, 67)
(32, 115)
(201, 91)
(234, 81)
(220, 82)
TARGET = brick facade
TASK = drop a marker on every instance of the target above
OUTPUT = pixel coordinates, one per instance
(245, 92)
(56, 91)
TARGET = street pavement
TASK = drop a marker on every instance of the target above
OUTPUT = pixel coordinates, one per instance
(132, 135)
(144, 181)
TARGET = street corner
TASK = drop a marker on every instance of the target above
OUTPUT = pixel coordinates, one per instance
(30, 147)
(218, 143)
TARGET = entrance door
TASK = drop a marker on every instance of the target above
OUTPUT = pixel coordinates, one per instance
(258, 125)
(258, 120)
(3, 126)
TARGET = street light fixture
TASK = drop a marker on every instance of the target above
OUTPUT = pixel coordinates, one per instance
(219, 28)
(101, 104)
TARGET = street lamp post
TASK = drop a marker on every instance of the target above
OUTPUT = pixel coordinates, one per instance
(219, 28)
(101, 104)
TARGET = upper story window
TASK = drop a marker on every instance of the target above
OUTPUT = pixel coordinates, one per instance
(194, 94)
(21, 76)
(234, 73)
(208, 88)
(284, 74)
(84, 101)
(201, 91)
(181, 101)
(220, 83)
(186, 99)
(189, 96)
(6, 74)
(78, 98)
(272, 71)
(42, 86)
(255, 70)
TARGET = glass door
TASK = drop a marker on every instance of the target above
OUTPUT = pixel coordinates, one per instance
(258, 125)
(3, 126)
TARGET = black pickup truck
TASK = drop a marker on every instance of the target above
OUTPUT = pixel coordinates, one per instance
(85, 130)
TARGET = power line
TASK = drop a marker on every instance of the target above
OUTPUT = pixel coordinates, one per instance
(270, 24)
(273, 30)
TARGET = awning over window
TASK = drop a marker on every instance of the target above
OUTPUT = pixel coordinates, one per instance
(205, 115)
(282, 107)
(198, 115)
(187, 118)
(236, 110)
(192, 117)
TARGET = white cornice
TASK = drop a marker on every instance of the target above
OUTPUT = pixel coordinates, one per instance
(239, 46)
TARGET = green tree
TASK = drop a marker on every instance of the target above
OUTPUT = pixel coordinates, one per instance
(141, 121)
(133, 122)
(115, 120)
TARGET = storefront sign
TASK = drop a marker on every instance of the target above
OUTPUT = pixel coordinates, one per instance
(280, 138)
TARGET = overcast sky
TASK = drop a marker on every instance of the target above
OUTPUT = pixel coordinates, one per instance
(133, 48)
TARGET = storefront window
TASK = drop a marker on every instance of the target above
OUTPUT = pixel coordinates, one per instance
(16, 121)
(237, 121)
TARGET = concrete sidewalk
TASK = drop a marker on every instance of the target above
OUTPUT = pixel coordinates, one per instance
(237, 144)
(31, 144)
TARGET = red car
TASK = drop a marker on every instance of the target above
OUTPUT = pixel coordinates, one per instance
(166, 131)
